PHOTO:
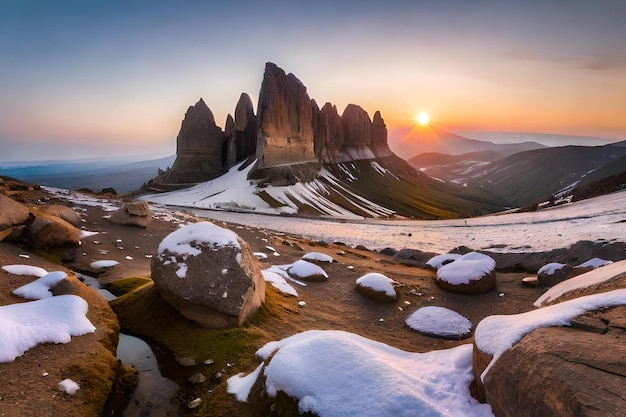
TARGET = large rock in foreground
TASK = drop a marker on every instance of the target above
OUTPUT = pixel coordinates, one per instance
(13, 217)
(209, 275)
(561, 372)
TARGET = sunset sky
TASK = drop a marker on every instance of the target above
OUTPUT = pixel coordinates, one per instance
(110, 78)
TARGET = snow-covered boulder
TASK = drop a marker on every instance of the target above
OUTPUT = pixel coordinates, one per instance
(307, 271)
(472, 273)
(318, 257)
(438, 261)
(336, 373)
(553, 273)
(376, 286)
(209, 275)
(439, 322)
(576, 345)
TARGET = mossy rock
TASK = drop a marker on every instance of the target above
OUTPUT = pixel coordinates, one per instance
(126, 285)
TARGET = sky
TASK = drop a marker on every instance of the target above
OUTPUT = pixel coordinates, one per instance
(113, 78)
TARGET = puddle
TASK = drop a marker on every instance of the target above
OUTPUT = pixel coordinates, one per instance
(154, 393)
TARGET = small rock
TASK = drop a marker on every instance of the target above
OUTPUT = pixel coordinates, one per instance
(197, 378)
(209, 362)
(194, 403)
(218, 376)
(530, 281)
(187, 361)
(301, 304)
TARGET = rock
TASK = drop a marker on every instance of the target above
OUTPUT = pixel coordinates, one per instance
(440, 322)
(530, 281)
(561, 372)
(388, 251)
(197, 378)
(377, 287)
(134, 213)
(195, 403)
(48, 231)
(553, 273)
(13, 217)
(209, 275)
(356, 126)
(246, 128)
(285, 115)
(108, 190)
(199, 148)
(413, 257)
(472, 273)
(329, 136)
(378, 140)
(65, 213)
(230, 150)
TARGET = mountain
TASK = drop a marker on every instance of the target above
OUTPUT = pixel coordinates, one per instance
(410, 142)
(95, 174)
(533, 176)
(306, 161)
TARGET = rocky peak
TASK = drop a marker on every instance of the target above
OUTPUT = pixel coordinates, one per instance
(245, 128)
(329, 134)
(230, 152)
(199, 148)
(286, 120)
(356, 126)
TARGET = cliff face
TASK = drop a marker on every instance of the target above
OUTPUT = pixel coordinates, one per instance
(199, 148)
(285, 134)
(245, 128)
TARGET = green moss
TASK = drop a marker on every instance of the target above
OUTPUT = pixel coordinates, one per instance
(124, 286)
(53, 257)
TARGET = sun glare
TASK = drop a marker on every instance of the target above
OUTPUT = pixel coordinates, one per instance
(422, 118)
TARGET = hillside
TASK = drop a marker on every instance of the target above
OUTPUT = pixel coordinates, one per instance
(527, 177)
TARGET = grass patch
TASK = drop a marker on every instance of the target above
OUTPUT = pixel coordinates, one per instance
(126, 285)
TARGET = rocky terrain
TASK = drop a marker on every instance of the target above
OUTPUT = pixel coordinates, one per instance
(186, 349)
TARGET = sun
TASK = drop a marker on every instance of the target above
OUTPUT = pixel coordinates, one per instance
(422, 118)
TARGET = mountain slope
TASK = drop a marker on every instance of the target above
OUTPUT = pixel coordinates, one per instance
(531, 176)
(385, 187)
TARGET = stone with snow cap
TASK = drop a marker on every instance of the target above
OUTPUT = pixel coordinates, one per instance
(209, 275)
(472, 273)
(553, 273)
(376, 286)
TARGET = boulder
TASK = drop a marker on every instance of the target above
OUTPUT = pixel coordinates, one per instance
(13, 217)
(286, 120)
(199, 148)
(209, 275)
(65, 213)
(230, 151)
(472, 273)
(48, 231)
(134, 213)
(560, 371)
(377, 287)
(553, 273)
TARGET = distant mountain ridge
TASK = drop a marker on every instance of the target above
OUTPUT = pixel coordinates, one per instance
(528, 177)
(94, 174)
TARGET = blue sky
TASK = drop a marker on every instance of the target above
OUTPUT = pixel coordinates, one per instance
(105, 78)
